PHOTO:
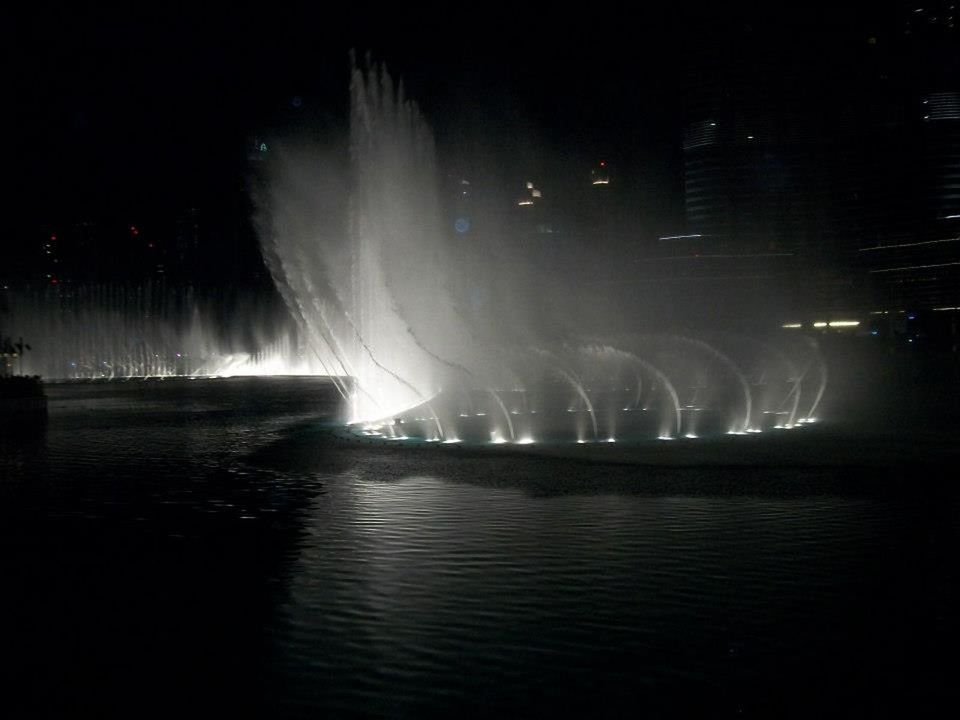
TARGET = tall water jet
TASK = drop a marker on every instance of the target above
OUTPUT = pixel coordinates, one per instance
(362, 267)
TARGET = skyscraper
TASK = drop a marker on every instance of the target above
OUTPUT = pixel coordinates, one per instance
(846, 156)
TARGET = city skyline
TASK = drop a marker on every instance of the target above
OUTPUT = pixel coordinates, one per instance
(820, 149)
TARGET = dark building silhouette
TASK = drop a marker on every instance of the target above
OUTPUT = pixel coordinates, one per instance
(840, 163)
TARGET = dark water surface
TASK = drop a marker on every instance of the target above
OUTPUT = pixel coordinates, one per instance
(179, 547)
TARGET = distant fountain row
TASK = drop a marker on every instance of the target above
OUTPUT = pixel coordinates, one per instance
(107, 332)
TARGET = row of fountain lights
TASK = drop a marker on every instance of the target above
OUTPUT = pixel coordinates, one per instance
(496, 438)
(820, 324)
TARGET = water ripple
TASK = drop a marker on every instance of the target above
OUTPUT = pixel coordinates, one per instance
(330, 580)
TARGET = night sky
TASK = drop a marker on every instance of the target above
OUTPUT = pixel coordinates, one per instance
(141, 112)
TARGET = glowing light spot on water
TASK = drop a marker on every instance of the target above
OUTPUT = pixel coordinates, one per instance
(525, 440)
(611, 439)
(580, 442)
(665, 437)
(690, 436)
(451, 441)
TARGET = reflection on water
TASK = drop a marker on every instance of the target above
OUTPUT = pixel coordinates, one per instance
(211, 541)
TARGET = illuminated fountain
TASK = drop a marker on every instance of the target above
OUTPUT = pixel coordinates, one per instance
(606, 394)
(109, 332)
(358, 250)
(381, 302)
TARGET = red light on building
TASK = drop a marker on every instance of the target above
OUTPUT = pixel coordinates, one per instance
(54, 281)
(134, 231)
(53, 238)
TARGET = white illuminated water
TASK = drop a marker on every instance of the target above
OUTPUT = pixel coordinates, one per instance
(378, 292)
(380, 299)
